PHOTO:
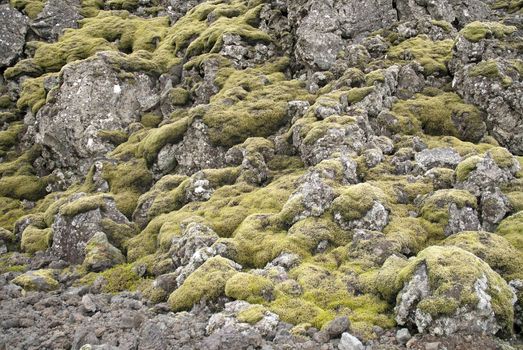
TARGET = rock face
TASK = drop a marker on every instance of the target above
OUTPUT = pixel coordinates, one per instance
(100, 254)
(56, 16)
(483, 304)
(78, 221)
(83, 105)
(13, 27)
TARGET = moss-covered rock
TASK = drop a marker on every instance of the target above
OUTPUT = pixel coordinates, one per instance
(205, 284)
(100, 254)
(477, 31)
(448, 290)
(249, 287)
(35, 239)
(39, 280)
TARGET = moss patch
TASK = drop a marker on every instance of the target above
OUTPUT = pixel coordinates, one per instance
(477, 31)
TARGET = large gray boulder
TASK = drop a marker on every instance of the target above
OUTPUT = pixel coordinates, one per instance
(13, 27)
(56, 16)
(93, 96)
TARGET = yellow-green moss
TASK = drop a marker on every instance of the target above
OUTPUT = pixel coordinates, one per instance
(35, 239)
(40, 280)
(252, 288)
(206, 283)
(151, 120)
(495, 250)
(27, 187)
(30, 7)
(10, 211)
(509, 5)
(466, 166)
(83, 204)
(490, 69)
(432, 55)
(355, 201)
(252, 315)
(9, 137)
(511, 228)
(115, 137)
(477, 31)
(435, 115)
(179, 96)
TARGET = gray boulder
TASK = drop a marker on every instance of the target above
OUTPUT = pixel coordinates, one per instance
(437, 157)
(92, 96)
(100, 254)
(13, 27)
(56, 16)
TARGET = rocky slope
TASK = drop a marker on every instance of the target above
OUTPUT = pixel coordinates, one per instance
(261, 174)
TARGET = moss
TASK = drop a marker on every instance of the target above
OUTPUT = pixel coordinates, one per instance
(35, 239)
(251, 103)
(91, 8)
(495, 250)
(508, 5)
(9, 137)
(432, 55)
(408, 232)
(252, 315)
(466, 166)
(446, 26)
(355, 95)
(10, 211)
(374, 76)
(490, 69)
(511, 228)
(477, 31)
(179, 96)
(297, 310)
(435, 208)
(516, 200)
(33, 93)
(206, 283)
(40, 280)
(151, 120)
(452, 274)
(252, 288)
(355, 201)
(502, 157)
(83, 204)
(437, 114)
(27, 187)
(114, 137)
(5, 101)
(30, 7)
(120, 278)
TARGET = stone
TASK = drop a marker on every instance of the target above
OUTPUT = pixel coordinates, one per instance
(13, 27)
(437, 157)
(350, 342)
(40, 280)
(337, 326)
(91, 97)
(56, 16)
(403, 336)
(100, 254)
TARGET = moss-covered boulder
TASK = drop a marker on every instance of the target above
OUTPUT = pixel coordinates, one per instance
(35, 239)
(249, 287)
(205, 284)
(447, 290)
(361, 206)
(39, 280)
(100, 254)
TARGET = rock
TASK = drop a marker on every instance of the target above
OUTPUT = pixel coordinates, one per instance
(494, 207)
(403, 336)
(89, 304)
(79, 219)
(452, 11)
(85, 104)
(195, 236)
(337, 326)
(40, 280)
(437, 157)
(13, 27)
(482, 305)
(350, 342)
(56, 16)
(100, 254)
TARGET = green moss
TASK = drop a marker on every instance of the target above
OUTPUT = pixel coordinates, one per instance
(516, 200)
(5, 101)
(91, 8)
(508, 5)
(40, 280)
(252, 102)
(10, 211)
(35, 239)
(355, 95)
(83, 204)
(297, 310)
(27, 187)
(355, 201)
(252, 315)
(206, 283)
(9, 137)
(435, 209)
(436, 115)
(466, 166)
(252, 288)
(30, 7)
(374, 76)
(452, 274)
(502, 157)
(446, 26)
(33, 93)
(114, 137)
(179, 96)
(490, 69)
(477, 31)
(151, 120)
(511, 228)
(432, 55)
(495, 250)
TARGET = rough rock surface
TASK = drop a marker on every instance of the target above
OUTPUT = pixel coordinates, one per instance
(56, 16)
(13, 26)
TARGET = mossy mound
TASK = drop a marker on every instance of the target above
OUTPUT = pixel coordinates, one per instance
(355, 201)
(477, 31)
(35, 239)
(40, 280)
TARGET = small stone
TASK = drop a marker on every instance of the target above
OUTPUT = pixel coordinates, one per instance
(350, 342)
(88, 303)
(403, 336)
(337, 326)
(432, 346)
